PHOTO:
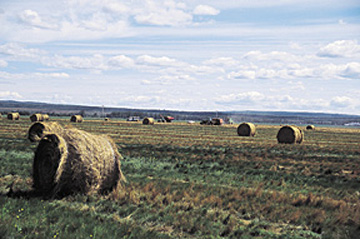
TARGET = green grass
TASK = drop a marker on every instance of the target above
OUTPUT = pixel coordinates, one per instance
(190, 181)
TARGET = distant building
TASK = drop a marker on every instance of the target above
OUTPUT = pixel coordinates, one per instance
(133, 118)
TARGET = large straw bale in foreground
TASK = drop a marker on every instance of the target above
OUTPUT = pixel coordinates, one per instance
(290, 134)
(76, 162)
(46, 117)
(36, 117)
(39, 129)
(13, 116)
(76, 118)
(149, 120)
(246, 129)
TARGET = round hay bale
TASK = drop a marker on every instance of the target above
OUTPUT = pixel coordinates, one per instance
(290, 134)
(36, 117)
(310, 127)
(13, 116)
(39, 129)
(46, 117)
(76, 162)
(76, 118)
(106, 119)
(148, 121)
(246, 129)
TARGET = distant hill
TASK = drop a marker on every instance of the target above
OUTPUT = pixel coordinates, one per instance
(27, 108)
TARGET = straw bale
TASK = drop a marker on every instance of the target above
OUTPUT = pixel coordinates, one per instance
(310, 127)
(36, 117)
(76, 162)
(76, 118)
(149, 121)
(39, 129)
(13, 116)
(289, 134)
(246, 129)
(46, 117)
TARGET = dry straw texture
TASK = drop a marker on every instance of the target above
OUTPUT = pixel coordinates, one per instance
(36, 117)
(45, 117)
(310, 127)
(290, 135)
(13, 116)
(39, 129)
(76, 162)
(246, 129)
(76, 118)
(149, 120)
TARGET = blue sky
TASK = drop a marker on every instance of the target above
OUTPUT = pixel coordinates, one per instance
(284, 55)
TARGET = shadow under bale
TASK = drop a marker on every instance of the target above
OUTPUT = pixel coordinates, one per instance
(76, 162)
(39, 129)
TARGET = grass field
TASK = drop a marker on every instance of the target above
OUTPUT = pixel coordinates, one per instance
(194, 181)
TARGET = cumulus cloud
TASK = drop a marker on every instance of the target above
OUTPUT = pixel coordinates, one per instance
(271, 56)
(343, 48)
(205, 10)
(352, 70)
(95, 62)
(121, 61)
(3, 63)
(32, 18)
(245, 98)
(170, 80)
(20, 51)
(156, 61)
(341, 101)
(222, 61)
(10, 95)
(162, 13)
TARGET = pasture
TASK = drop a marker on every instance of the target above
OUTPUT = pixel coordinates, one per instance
(193, 181)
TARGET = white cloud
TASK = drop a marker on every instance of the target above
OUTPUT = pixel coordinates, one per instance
(3, 63)
(341, 102)
(32, 18)
(205, 10)
(271, 56)
(222, 61)
(171, 80)
(245, 98)
(121, 61)
(352, 70)
(95, 62)
(32, 76)
(10, 95)
(162, 13)
(19, 51)
(156, 61)
(343, 48)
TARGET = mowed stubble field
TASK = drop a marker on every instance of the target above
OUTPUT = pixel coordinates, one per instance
(193, 181)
